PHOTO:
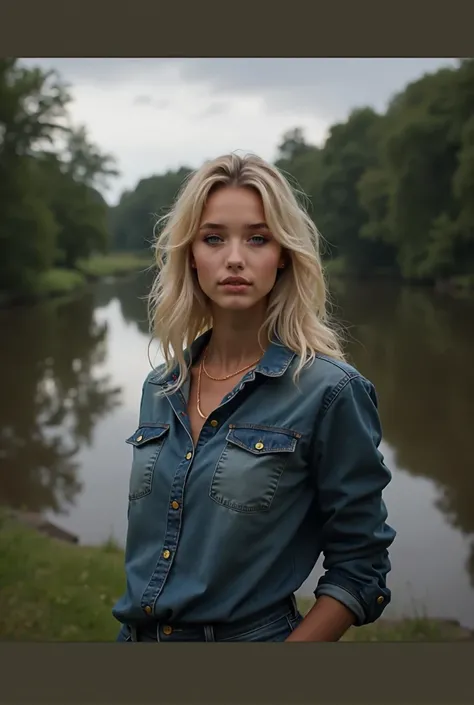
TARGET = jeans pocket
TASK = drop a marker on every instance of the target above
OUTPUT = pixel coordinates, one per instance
(277, 630)
(294, 621)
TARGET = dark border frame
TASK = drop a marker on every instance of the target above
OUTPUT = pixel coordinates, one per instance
(237, 674)
(367, 28)
(187, 673)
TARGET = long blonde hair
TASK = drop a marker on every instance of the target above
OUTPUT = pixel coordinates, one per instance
(297, 309)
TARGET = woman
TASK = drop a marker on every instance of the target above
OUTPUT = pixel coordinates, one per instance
(257, 445)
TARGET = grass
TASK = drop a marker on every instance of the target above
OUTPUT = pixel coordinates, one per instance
(56, 591)
(64, 282)
(114, 264)
(59, 281)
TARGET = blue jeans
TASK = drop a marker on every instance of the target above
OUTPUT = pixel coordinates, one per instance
(276, 624)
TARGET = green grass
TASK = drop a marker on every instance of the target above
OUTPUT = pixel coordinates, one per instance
(59, 281)
(56, 591)
(114, 264)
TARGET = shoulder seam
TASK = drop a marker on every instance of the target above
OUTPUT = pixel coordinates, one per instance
(336, 363)
(340, 386)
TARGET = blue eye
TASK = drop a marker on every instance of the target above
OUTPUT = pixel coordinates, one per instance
(261, 240)
(211, 239)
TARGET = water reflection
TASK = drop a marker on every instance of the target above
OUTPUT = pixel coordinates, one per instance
(53, 394)
(71, 376)
(418, 349)
(130, 292)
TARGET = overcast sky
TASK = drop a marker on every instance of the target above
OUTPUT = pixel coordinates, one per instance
(156, 114)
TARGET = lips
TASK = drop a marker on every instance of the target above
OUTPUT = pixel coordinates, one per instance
(235, 281)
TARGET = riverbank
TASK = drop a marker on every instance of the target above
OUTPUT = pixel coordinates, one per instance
(457, 286)
(63, 282)
(58, 591)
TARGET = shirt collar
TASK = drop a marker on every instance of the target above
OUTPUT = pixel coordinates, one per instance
(274, 363)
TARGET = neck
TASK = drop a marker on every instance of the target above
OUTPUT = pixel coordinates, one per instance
(234, 342)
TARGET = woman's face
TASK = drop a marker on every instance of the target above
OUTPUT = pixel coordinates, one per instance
(234, 254)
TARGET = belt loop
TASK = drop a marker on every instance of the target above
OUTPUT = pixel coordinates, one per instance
(133, 631)
(209, 633)
(158, 632)
(294, 605)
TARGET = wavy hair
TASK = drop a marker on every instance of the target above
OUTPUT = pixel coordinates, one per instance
(297, 308)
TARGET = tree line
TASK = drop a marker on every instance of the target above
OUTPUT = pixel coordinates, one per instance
(391, 193)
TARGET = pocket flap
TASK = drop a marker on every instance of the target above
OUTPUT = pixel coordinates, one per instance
(145, 434)
(263, 439)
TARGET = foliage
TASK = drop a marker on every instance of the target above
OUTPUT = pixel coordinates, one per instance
(389, 192)
(132, 221)
(51, 213)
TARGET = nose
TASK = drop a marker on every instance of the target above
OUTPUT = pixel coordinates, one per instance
(235, 258)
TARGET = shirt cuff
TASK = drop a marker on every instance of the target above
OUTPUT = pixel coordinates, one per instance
(343, 596)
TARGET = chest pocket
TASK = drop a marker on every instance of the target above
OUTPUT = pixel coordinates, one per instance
(147, 442)
(248, 471)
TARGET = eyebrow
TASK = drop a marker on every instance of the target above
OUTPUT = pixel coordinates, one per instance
(219, 226)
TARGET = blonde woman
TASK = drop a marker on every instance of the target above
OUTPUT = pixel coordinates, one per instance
(257, 445)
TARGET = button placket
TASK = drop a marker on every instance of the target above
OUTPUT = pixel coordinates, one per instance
(159, 577)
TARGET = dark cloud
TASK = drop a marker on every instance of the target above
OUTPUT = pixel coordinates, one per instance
(218, 107)
(143, 100)
(322, 87)
(151, 102)
(105, 72)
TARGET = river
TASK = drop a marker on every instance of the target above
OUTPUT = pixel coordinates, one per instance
(71, 376)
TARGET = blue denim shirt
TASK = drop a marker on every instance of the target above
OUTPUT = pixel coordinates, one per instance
(281, 473)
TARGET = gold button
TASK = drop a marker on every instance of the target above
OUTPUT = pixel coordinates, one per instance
(380, 599)
(139, 438)
(189, 456)
(214, 423)
(175, 505)
(259, 446)
(166, 554)
(167, 630)
(148, 609)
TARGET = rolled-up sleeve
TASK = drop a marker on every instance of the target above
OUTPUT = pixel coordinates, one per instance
(350, 478)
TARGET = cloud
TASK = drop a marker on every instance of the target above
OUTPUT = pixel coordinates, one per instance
(328, 87)
(143, 100)
(217, 107)
(150, 101)
(158, 114)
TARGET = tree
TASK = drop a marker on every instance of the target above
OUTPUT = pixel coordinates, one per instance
(50, 210)
(134, 218)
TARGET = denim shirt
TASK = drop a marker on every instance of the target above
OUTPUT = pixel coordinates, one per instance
(281, 473)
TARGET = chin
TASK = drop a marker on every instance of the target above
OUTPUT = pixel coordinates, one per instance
(235, 303)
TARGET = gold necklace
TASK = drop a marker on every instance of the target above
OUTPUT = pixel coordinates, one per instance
(233, 374)
(216, 379)
(198, 393)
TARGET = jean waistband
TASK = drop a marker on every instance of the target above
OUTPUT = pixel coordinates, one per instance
(219, 631)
